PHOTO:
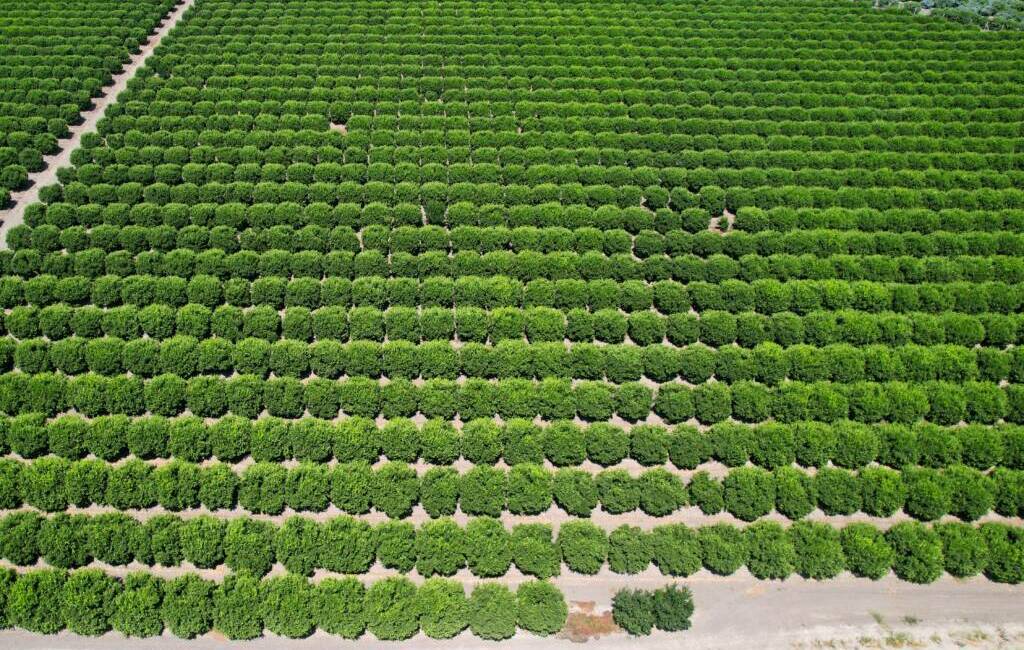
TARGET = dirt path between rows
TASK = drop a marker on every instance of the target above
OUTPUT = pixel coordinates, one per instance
(735, 612)
(48, 176)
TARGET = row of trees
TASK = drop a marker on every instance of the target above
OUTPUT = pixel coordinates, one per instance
(845, 444)
(264, 228)
(553, 398)
(491, 288)
(461, 118)
(666, 118)
(395, 489)
(821, 189)
(568, 120)
(475, 163)
(90, 602)
(484, 114)
(865, 335)
(794, 229)
(343, 545)
(197, 252)
(439, 358)
(784, 220)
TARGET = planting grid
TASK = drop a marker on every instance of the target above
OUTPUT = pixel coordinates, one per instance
(430, 293)
(58, 56)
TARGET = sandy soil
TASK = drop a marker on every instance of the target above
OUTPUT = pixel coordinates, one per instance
(48, 176)
(736, 612)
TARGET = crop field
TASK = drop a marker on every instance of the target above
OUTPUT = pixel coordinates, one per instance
(379, 319)
(57, 56)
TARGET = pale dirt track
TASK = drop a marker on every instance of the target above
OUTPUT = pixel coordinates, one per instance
(733, 612)
(48, 176)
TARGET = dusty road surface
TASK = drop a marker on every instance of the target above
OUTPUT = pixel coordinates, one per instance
(732, 613)
(48, 176)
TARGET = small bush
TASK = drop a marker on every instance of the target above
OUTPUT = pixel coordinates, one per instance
(676, 550)
(391, 609)
(540, 608)
(187, 606)
(288, 609)
(34, 601)
(492, 612)
(534, 551)
(749, 492)
(136, 609)
(917, 552)
(633, 611)
(819, 553)
(237, 606)
(442, 607)
(629, 550)
(868, 553)
(249, 546)
(339, 607)
(771, 553)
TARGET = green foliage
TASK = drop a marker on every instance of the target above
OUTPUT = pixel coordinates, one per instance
(540, 608)
(395, 489)
(795, 494)
(440, 548)
(489, 547)
(342, 545)
(533, 550)
(1005, 552)
(629, 550)
(964, 550)
(673, 607)
(917, 552)
(64, 541)
(396, 545)
(883, 491)
(34, 602)
(390, 607)
(238, 606)
(249, 546)
(492, 611)
(819, 553)
(136, 608)
(749, 492)
(529, 489)
(633, 611)
(583, 545)
(838, 491)
(113, 538)
(482, 491)
(706, 493)
(297, 545)
(186, 608)
(675, 549)
(618, 491)
(442, 607)
(288, 606)
(868, 553)
(339, 606)
(575, 491)
(771, 553)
